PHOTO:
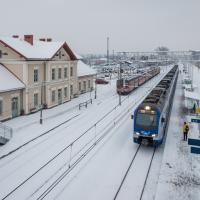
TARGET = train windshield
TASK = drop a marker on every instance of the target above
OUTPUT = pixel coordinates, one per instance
(146, 120)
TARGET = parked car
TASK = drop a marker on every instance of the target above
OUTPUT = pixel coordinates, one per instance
(101, 81)
(107, 75)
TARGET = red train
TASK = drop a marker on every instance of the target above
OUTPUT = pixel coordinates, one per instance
(125, 86)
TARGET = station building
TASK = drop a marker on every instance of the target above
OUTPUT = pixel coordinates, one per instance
(46, 72)
(11, 94)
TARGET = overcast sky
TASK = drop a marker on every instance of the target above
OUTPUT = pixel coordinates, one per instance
(131, 25)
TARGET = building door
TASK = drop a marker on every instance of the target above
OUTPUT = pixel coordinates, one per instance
(59, 96)
(14, 106)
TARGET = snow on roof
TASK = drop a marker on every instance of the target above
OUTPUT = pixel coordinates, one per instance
(128, 62)
(191, 95)
(78, 56)
(8, 81)
(84, 70)
(39, 49)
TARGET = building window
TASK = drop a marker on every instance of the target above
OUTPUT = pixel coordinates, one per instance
(35, 75)
(79, 86)
(71, 89)
(53, 74)
(88, 83)
(65, 72)
(1, 107)
(65, 92)
(71, 71)
(35, 99)
(84, 85)
(60, 55)
(53, 96)
(59, 73)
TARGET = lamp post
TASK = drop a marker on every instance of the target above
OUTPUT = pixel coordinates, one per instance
(95, 91)
(41, 119)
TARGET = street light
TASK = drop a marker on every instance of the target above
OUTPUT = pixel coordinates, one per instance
(41, 119)
(95, 92)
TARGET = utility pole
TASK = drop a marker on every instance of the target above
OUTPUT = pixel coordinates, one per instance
(95, 92)
(108, 51)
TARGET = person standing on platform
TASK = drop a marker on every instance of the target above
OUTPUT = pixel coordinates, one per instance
(194, 108)
(185, 131)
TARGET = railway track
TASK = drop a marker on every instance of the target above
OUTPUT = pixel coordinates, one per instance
(43, 134)
(35, 138)
(117, 194)
(126, 173)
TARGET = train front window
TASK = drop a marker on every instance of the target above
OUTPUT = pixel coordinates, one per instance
(147, 120)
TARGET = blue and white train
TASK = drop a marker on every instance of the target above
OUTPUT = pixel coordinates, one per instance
(151, 116)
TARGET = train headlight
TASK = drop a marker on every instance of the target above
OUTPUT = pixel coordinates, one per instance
(147, 108)
(154, 135)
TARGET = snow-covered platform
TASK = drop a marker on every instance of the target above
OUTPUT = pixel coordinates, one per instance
(180, 171)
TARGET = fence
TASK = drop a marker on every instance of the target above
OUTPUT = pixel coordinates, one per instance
(85, 103)
(6, 133)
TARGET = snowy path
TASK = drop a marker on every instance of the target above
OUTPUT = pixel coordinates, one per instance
(24, 165)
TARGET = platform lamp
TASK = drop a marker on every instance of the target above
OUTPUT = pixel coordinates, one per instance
(41, 106)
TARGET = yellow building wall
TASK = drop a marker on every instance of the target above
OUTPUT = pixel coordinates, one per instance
(6, 98)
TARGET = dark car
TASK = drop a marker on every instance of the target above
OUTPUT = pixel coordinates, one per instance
(101, 81)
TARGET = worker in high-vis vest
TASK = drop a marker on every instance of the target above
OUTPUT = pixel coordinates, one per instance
(185, 131)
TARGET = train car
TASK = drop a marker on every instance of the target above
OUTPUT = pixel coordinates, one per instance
(127, 85)
(151, 116)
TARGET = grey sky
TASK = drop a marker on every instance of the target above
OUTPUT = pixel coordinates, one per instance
(132, 25)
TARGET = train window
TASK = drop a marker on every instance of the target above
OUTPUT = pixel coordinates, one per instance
(146, 120)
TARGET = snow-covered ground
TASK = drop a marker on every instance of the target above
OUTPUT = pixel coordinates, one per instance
(107, 129)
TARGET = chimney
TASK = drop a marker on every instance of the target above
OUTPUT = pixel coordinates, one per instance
(29, 39)
(49, 39)
(15, 36)
(42, 39)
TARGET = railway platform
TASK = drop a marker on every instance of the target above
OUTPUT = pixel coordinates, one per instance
(179, 176)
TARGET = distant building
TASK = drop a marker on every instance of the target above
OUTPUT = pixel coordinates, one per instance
(195, 55)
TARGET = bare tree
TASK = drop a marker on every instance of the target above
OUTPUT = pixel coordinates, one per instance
(162, 50)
